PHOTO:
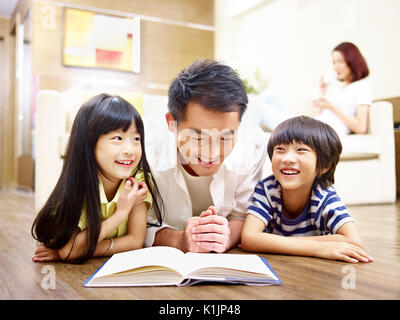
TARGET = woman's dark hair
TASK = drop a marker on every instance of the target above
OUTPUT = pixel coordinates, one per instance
(354, 59)
(316, 134)
(215, 86)
(78, 184)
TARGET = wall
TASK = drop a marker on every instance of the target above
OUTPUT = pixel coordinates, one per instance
(290, 42)
(173, 34)
(7, 163)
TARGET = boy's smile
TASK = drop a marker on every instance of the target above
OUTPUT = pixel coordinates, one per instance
(294, 166)
(290, 171)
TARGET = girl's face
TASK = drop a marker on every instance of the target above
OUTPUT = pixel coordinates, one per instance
(118, 153)
(341, 68)
(294, 166)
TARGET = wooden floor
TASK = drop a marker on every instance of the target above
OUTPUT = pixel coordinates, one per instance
(302, 277)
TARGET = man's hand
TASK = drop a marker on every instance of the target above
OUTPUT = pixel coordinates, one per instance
(208, 232)
(189, 243)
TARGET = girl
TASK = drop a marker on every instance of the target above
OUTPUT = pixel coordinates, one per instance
(296, 210)
(104, 190)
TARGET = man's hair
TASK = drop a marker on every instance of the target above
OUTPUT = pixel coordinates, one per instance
(214, 85)
(317, 135)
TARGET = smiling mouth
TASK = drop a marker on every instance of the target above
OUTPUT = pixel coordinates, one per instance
(290, 172)
(206, 163)
(124, 163)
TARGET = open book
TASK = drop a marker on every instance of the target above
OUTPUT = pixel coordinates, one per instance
(157, 266)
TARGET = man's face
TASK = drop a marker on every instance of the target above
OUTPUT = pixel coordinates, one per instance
(205, 138)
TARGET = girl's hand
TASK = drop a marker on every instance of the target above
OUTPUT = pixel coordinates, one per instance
(134, 192)
(45, 254)
(342, 251)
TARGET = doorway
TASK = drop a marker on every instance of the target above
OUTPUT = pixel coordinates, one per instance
(25, 105)
(2, 102)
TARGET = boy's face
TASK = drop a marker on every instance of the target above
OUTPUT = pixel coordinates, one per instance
(205, 138)
(294, 166)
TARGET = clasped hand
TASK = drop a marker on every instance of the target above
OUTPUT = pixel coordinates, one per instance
(207, 232)
(134, 193)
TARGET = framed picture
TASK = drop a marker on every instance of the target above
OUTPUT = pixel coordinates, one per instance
(95, 40)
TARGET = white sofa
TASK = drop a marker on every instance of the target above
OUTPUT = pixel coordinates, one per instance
(365, 173)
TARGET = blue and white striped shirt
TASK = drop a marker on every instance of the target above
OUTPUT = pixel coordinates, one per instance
(324, 214)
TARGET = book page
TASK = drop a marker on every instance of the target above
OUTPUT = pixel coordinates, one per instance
(153, 256)
(242, 262)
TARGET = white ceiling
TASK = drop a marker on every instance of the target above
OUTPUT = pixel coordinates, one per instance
(7, 7)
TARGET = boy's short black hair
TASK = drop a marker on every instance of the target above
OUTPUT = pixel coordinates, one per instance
(214, 85)
(321, 137)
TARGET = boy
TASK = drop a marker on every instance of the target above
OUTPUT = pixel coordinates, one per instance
(299, 200)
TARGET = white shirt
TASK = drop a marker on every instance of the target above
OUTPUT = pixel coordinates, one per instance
(231, 188)
(347, 98)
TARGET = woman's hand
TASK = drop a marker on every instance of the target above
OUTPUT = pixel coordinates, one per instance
(341, 251)
(323, 86)
(134, 193)
(43, 254)
(323, 103)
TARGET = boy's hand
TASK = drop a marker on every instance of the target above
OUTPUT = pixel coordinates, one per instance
(43, 254)
(342, 251)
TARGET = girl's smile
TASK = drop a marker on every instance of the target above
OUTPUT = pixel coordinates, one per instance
(118, 153)
(124, 163)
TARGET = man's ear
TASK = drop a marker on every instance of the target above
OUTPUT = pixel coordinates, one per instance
(171, 122)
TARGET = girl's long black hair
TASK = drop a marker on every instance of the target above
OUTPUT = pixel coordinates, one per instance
(78, 185)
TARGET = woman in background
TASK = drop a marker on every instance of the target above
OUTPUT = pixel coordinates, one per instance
(344, 102)
(345, 106)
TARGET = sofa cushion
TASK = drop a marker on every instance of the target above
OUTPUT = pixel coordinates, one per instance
(359, 146)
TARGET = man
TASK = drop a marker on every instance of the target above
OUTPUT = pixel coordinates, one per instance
(207, 163)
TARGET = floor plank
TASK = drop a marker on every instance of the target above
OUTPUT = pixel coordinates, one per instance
(302, 277)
